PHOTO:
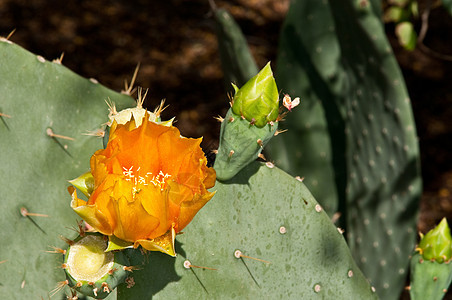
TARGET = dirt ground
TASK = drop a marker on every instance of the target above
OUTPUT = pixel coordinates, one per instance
(176, 45)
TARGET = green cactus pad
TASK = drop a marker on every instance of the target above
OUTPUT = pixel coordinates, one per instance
(240, 144)
(258, 99)
(355, 137)
(437, 243)
(92, 271)
(236, 59)
(39, 95)
(266, 214)
(429, 279)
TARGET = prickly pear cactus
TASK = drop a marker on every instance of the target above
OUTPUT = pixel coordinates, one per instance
(236, 59)
(249, 124)
(262, 213)
(313, 147)
(43, 104)
(262, 235)
(353, 139)
(356, 124)
(431, 267)
(311, 121)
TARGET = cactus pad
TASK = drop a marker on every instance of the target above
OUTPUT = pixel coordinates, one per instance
(356, 131)
(236, 59)
(44, 100)
(265, 214)
(429, 279)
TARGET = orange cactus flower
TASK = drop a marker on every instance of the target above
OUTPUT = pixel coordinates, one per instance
(149, 183)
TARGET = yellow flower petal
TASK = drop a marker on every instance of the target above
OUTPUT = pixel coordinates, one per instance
(90, 214)
(134, 222)
(164, 243)
(189, 209)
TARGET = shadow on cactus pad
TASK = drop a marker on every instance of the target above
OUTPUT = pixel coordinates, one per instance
(263, 235)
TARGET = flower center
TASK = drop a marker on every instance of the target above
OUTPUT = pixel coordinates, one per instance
(140, 180)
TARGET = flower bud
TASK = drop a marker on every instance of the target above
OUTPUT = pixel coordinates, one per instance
(258, 100)
(436, 244)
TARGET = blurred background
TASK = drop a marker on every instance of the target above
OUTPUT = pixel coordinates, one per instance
(175, 43)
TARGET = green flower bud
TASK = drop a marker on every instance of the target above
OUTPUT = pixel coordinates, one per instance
(437, 243)
(258, 99)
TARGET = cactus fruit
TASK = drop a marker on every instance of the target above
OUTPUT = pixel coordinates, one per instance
(248, 125)
(92, 271)
(431, 267)
(265, 214)
(36, 162)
